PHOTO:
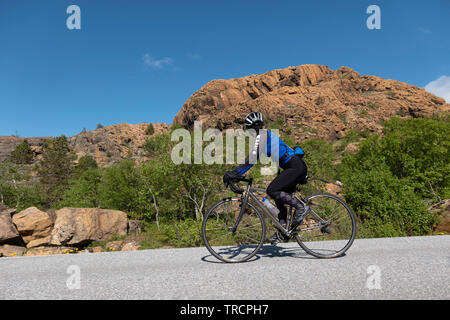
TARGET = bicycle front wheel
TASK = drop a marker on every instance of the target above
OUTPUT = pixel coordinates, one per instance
(227, 241)
(329, 229)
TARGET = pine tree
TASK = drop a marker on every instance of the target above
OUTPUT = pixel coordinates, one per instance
(55, 169)
(22, 154)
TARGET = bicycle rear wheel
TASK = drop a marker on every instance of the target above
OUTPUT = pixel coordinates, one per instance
(329, 229)
(230, 245)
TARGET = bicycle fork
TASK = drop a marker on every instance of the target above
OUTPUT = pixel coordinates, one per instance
(243, 206)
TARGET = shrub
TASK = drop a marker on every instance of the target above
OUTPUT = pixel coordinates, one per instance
(389, 179)
(22, 154)
(83, 191)
(119, 187)
(319, 157)
(85, 163)
(150, 130)
(158, 144)
(386, 205)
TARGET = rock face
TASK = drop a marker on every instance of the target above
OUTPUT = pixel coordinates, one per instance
(107, 145)
(34, 226)
(113, 143)
(9, 143)
(443, 220)
(8, 232)
(44, 251)
(8, 250)
(75, 227)
(315, 101)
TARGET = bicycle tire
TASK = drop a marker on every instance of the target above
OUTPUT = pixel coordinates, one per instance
(213, 249)
(302, 235)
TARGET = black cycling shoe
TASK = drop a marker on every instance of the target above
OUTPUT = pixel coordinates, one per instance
(298, 217)
(277, 238)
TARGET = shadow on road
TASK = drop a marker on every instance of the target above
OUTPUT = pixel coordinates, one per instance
(269, 251)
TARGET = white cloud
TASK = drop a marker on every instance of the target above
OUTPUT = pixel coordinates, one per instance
(194, 56)
(424, 30)
(440, 87)
(151, 62)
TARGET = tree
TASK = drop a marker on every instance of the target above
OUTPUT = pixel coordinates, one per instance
(119, 187)
(15, 189)
(150, 129)
(55, 169)
(158, 144)
(85, 163)
(392, 177)
(83, 192)
(22, 154)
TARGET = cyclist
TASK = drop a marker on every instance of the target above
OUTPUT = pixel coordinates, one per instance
(281, 188)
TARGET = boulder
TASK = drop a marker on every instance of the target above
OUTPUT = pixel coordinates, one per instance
(114, 245)
(8, 232)
(130, 246)
(8, 250)
(442, 225)
(134, 226)
(77, 227)
(333, 189)
(34, 226)
(5, 209)
(96, 249)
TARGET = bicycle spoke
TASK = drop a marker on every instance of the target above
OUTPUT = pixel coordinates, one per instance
(336, 231)
(237, 245)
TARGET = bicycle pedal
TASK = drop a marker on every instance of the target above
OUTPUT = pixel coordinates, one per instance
(325, 229)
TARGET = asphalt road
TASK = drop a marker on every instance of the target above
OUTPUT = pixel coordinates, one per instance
(387, 268)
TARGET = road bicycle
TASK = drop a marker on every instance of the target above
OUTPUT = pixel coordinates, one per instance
(234, 228)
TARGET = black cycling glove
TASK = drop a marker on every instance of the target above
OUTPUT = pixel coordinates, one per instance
(228, 176)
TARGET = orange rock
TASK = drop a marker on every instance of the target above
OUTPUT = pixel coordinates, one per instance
(315, 101)
(80, 226)
(34, 226)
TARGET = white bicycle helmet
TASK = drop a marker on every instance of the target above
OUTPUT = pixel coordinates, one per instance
(253, 119)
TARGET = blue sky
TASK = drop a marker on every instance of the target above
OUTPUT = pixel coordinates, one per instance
(139, 61)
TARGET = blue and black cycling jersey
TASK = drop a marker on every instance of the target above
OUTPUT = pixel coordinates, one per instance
(269, 144)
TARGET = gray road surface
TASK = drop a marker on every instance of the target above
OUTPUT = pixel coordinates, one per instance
(387, 268)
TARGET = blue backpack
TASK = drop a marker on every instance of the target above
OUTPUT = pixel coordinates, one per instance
(299, 151)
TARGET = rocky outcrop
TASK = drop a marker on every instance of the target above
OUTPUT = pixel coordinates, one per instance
(134, 227)
(8, 232)
(442, 209)
(34, 226)
(312, 100)
(68, 230)
(9, 143)
(77, 227)
(45, 251)
(107, 145)
(112, 143)
(8, 250)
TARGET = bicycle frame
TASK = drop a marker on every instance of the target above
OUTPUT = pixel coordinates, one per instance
(248, 193)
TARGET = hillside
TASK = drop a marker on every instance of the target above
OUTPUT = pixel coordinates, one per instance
(107, 145)
(312, 101)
